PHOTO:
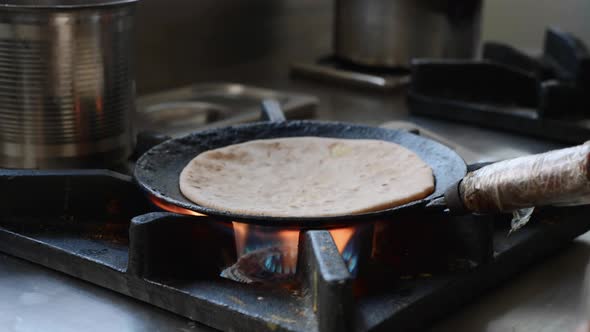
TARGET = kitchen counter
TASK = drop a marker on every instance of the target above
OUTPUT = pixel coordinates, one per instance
(546, 297)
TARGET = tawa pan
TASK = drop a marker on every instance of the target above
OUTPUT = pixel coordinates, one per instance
(560, 176)
(158, 170)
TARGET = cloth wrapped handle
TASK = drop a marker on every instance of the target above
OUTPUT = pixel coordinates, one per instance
(559, 177)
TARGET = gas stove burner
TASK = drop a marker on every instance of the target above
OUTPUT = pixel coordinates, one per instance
(334, 70)
(351, 257)
(269, 254)
(265, 265)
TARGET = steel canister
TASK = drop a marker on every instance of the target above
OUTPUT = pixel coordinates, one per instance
(67, 85)
(389, 33)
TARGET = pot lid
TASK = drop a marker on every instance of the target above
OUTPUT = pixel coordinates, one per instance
(48, 4)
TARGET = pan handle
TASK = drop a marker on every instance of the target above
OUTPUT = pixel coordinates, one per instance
(560, 177)
(271, 111)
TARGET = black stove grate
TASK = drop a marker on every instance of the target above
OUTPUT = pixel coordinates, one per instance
(95, 225)
(545, 96)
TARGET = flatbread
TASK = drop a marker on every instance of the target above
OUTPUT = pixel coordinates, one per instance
(306, 177)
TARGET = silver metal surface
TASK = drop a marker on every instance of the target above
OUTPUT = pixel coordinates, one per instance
(547, 297)
(180, 111)
(43, 300)
(330, 74)
(66, 86)
(467, 155)
(391, 32)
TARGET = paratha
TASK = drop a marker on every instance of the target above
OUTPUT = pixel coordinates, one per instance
(306, 177)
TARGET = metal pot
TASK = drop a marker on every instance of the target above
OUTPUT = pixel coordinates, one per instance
(390, 33)
(67, 84)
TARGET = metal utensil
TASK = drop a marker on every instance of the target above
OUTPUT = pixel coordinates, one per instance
(392, 32)
(208, 105)
(66, 83)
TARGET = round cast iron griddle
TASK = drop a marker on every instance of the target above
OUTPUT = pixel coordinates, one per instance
(158, 170)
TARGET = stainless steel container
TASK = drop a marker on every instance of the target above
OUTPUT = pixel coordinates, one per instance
(66, 83)
(392, 32)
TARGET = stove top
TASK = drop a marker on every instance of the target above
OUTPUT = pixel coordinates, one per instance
(392, 274)
(399, 274)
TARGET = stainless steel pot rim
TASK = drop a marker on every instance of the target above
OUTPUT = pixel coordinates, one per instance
(61, 4)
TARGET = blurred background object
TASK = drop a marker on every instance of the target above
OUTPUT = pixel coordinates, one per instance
(181, 42)
(390, 33)
(523, 22)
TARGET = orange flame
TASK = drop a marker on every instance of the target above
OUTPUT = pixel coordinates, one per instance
(288, 238)
(173, 208)
(342, 236)
(240, 234)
